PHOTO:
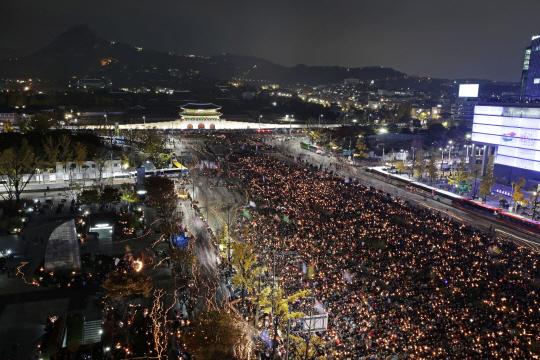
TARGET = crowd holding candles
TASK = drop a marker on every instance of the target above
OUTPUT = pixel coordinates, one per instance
(395, 279)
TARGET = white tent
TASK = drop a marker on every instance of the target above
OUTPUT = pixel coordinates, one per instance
(63, 249)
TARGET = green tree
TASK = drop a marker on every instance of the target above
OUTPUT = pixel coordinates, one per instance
(18, 165)
(110, 195)
(50, 153)
(212, 335)
(153, 145)
(89, 197)
(404, 112)
(432, 168)
(162, 197)
(73, 188)
(80, 154)
(459, 175)
(183, 258)
(129, 195)
(100, 161)
(41, 123)
(311, 124)
(419, 163)
(488, 181)
(65, 154)
(11, 223)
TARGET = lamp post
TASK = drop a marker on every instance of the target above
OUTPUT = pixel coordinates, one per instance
(442, 158)
(468, 147)
(320, 116)
(229, 237)
(144, 120)
(290, 124)
(535, 203)
(260, 116)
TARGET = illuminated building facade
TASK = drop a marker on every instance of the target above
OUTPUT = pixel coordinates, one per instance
(512, 133)
(200, 116)
(530, 76)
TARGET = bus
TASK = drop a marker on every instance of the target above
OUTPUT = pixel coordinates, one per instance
(316, 149)
(172, 172)
(304, 145)
(521, 222)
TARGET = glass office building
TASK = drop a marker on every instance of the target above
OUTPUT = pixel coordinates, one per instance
(530, 76)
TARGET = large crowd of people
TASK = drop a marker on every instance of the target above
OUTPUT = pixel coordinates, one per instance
(394, 278)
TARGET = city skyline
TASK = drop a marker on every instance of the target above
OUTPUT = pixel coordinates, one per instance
(438, 40)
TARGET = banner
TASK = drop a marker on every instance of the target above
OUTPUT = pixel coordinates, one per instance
(180, 240)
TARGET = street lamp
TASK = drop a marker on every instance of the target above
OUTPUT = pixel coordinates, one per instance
(144, 120)
(467, 146)
(535, 203)
(290, 123)
(260, 116)
(442, 157)
(320, 116)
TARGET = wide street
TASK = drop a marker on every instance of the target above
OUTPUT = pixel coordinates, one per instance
(292, 148)
(219, 198)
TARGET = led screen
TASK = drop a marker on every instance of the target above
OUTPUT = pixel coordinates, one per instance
(468, 90)
(515, 131)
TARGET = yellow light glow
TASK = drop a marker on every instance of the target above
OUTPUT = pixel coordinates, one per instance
(137, 265)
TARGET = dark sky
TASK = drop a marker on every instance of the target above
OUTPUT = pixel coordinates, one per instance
(437, 38)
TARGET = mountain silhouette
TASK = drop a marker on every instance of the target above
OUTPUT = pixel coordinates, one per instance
(78, 52)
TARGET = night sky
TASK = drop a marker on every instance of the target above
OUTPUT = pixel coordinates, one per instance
(438, 38)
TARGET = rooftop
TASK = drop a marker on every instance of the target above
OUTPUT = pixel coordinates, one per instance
(197, 106)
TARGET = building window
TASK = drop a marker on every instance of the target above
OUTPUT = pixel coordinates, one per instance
(93, 165)
(537, 81)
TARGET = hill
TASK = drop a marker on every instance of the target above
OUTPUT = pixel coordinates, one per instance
(78, 52)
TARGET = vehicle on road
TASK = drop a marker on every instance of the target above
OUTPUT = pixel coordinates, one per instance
(512, 220)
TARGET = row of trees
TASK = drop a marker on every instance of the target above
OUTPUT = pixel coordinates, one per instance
(478, 184)
(108, 195)
(147, 140)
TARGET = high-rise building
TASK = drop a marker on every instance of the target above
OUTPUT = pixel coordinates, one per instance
(525, 71)
(511, 132)
(530, 77)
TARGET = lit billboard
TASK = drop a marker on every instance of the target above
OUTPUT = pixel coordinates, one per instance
(515, 131)
(468, 90)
